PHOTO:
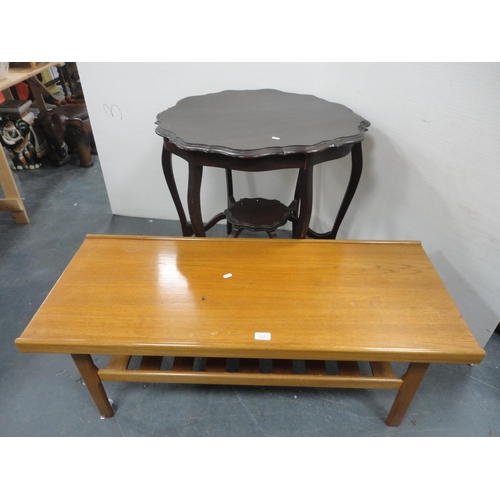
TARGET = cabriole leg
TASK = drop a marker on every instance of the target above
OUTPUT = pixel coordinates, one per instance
(194, 202)
(356, 170)
(168, 172)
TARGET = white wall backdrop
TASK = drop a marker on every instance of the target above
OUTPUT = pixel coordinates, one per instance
(430, 158)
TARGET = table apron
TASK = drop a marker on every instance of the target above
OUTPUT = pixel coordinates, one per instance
(261, 163)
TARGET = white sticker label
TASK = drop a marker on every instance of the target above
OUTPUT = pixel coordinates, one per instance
(228, 275)
(262, 336)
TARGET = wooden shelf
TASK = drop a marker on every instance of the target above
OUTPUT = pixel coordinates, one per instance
(13, 201)
(281, 374)
(20, 74)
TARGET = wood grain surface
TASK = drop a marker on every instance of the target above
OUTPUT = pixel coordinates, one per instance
(318, 299)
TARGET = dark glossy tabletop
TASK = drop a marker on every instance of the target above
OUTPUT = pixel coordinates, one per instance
(252, 123)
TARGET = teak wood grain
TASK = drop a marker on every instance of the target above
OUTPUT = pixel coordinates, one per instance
(318, 302)
(319, 299)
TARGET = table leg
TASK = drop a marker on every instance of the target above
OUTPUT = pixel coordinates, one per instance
(166, 160)
(356, 170)
(12, 200)
(230, 196)
(88, 371)
(194, 202)
(305, 185)
(411, 381)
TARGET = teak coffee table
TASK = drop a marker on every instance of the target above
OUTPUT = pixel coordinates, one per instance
(316, 308)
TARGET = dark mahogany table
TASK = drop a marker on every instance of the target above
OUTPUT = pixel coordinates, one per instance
(255, 131)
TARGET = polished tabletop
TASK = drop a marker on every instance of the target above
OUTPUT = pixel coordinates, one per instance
(323, 299)
(253, 123)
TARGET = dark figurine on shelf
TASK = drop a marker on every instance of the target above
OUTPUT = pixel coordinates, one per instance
(18, 138)
(67, 131)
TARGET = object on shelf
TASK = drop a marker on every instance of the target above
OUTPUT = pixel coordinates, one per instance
(4, 70)
(15, 106)
(19, 139)
(67, 129)
(13, 110)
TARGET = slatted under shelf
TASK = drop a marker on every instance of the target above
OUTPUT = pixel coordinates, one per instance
(246, 371)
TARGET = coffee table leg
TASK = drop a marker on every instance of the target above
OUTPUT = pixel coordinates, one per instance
(411, 382)
(88, 371)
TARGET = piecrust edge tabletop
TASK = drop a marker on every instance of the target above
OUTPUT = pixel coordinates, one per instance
(179, 124)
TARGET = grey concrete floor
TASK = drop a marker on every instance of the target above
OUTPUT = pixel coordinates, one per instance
(43, 395)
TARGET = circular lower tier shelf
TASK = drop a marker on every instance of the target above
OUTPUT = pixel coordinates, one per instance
(259, 214)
